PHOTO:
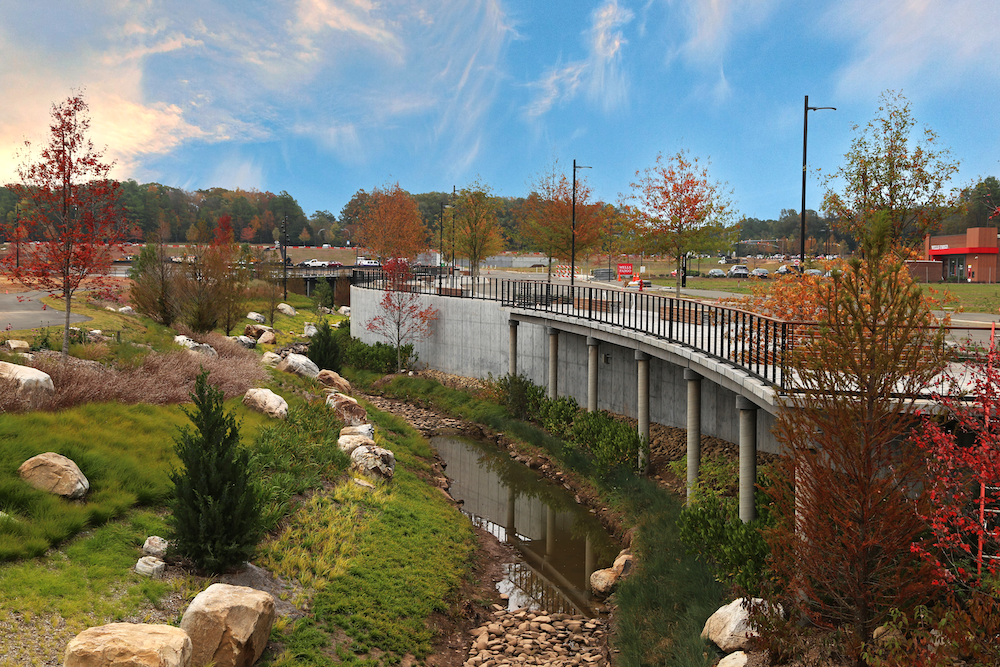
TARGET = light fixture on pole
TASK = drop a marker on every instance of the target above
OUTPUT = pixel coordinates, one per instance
(802, 230)
(572, 257)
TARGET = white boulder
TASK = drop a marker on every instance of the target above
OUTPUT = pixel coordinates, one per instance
(309, 330)
(737, 659)
(348, 410)
(245, 341)
(285, 309)
(267, 338)
(348, 443)
(155, 546)
(373, 461)
(15, 345)
(267, 402)
(256, 317)
(151, 566)
(27, 378)
(367, 430)
(126, 310)
(299, 364)
(730, 627)
(344, 310)
(129, 645)
(270, 359)
(228, 625)
(56, 474)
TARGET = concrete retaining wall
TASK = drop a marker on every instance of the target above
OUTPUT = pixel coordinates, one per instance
(471, 338)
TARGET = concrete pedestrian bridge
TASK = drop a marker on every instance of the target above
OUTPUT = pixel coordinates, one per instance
(702, 367)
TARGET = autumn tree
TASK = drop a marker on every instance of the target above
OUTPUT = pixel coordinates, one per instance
(153, 275)
(885, 170)
(847, 492)
(673, 204)
(547, 218)
(389, 224)
(401, 320)
(477, 228)
(73, 213)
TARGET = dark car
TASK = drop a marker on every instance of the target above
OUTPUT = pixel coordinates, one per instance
(759, 273)
(716, 273)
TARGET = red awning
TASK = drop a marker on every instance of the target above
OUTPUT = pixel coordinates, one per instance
(964, 251)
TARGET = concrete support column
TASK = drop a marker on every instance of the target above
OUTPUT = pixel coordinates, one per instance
(550, 532)
(553, 362)
(748, 458)
(643, 408)
(592, 347)
(693, 429)
(512, 352)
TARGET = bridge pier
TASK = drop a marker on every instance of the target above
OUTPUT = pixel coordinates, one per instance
(643, 409)
(748, 458)
(512, 353)
(553, 361)
(693, 429)
(592, 349)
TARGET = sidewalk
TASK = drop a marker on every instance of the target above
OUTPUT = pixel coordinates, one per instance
(24, 311)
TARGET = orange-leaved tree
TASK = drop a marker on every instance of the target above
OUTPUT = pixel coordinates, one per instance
(673, 203)
(401, 319)
(389, 223)
(477, 226)
(74, 216)
(547, 222)
(848, 493)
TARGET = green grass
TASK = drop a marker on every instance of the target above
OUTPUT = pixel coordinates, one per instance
(380, 562)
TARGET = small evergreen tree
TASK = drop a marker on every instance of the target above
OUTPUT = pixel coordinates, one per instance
(324, 293)
(216, 510)
(324, 348)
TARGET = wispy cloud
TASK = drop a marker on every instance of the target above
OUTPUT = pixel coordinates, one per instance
(704, 29)
(607, 81)
(899, 41)
(600, 74)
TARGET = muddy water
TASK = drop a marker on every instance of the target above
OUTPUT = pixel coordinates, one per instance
(560, 542)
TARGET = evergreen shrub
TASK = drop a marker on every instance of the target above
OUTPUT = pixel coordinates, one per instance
(324, 348)
(216, 517)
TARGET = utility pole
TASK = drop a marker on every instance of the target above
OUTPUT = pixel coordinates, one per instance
(284, 255)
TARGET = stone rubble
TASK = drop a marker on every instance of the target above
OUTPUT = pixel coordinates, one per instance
(523, 637)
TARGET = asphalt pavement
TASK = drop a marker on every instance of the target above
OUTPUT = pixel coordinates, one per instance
(25, 310)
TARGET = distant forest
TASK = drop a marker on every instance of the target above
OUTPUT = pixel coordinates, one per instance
(257, 217)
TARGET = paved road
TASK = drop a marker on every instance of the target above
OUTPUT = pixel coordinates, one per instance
(23, 310)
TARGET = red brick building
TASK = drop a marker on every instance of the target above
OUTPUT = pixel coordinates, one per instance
(968, 257)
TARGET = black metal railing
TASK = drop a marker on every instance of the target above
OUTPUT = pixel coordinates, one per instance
(758, 345)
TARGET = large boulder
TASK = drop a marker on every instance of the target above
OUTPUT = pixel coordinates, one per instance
(56, 474)
(129, 645)
(344, 310)
(602, 582)
(151, 566)
(256, 317)
(299, 364)
(730, 626)
(309, 330)
(348, 410)
(267, 338)
(229, 625)
(270, 359)
(285, 309)
(155, 546)
(266, 401)
(373, 461)
(28, 379)
(348, 443)
(333, 379)
(255, 331)
(194, 346)
(245, 341)
(738, 659)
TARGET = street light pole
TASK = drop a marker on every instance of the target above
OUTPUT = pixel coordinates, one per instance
(802, 230)
(441, 244)
(284, 255)
(572, 257)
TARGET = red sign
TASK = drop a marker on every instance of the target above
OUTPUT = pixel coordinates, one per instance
(624, 270)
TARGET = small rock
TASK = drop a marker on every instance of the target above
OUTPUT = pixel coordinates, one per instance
(367, 430)
(150, 566)
(155, 546)
(737, 659)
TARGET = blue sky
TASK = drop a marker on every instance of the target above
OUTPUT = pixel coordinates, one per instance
(325, 97)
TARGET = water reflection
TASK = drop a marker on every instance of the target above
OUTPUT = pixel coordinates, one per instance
(560, 542)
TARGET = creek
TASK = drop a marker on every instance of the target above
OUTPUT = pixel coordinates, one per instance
(560, 542)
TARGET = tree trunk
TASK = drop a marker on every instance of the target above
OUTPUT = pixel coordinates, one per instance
(680, 278)
(67, 295)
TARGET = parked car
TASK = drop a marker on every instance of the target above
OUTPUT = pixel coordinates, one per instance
(813, 272)
(739, 271)
(716, 273)
(783, 270)
(759, 273)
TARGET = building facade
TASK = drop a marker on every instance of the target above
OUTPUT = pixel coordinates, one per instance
(969, 257)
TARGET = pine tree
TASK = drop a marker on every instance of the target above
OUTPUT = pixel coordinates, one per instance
(216, 510)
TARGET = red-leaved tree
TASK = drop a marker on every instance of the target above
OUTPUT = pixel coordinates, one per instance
(401, 319)
(73, 213)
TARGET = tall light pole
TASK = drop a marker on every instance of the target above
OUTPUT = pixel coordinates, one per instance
(805, 134)
(284, 255)
(572, 257)
(441, 244)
